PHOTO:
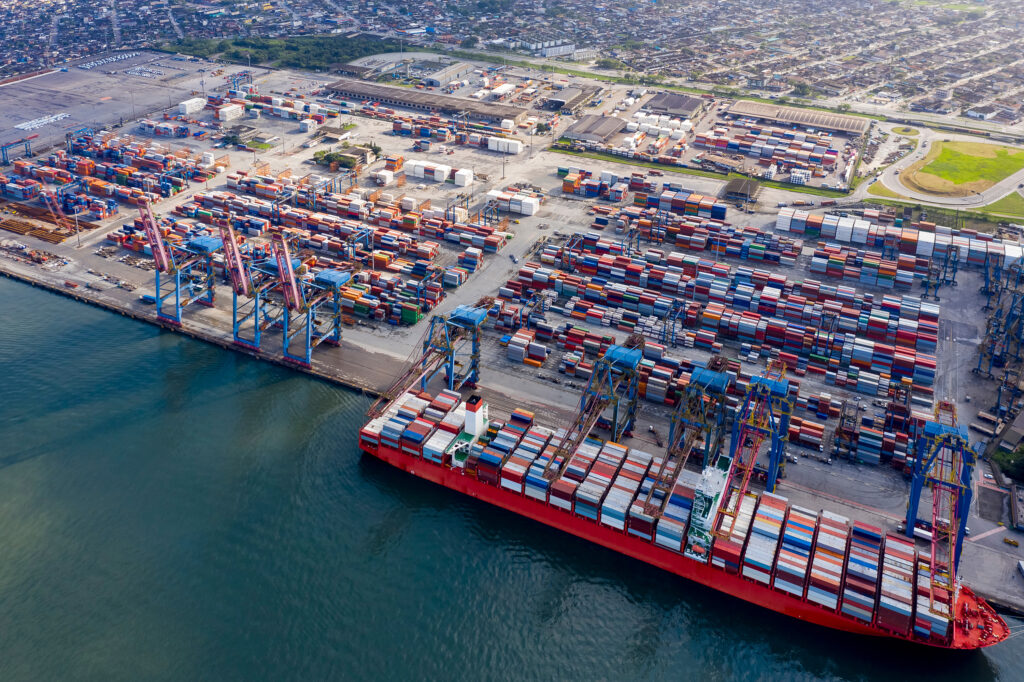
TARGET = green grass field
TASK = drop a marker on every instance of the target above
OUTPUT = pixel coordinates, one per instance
(904, 130)
(966, 162)
(1012, 206)
(880, 190)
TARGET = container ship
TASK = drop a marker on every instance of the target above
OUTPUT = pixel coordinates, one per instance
(815, 566)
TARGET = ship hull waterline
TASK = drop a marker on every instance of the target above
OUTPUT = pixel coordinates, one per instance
(706, 574)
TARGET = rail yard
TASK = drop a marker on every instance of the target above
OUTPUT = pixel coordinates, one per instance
(834, 366)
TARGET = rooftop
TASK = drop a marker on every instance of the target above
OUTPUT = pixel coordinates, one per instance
(823, 120)
(425, 100)
(593, 128)
(675, 104)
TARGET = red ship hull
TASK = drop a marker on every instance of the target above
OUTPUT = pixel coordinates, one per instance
(705, 574)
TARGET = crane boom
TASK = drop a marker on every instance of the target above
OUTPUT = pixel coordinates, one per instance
(161, 254)
(285, 272)
(53, 204)
(233, 261)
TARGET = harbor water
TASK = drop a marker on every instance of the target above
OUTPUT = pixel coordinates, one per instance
(173, 511)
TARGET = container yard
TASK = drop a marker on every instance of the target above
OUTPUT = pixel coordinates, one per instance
(750, 401)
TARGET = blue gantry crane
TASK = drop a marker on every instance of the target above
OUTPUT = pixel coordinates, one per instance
(251, 289)
(697, 425)
(763, 415)
(312, 306)
(943, 462)
(701, 410)
(451, 344)
(183, 274)
(25, 141)
(72, 135)
(613, 386)
(455, 338)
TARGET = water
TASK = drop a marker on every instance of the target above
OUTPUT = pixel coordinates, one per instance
(169, 510)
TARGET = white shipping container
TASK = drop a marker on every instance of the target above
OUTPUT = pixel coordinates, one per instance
(230, 112)
(191, 106)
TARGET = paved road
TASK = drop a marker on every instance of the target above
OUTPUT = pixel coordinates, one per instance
(891, 178)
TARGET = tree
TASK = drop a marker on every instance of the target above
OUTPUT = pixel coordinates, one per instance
(609, 63)
(843, 107)
(543, 128)
(801, 89)
(469, 41)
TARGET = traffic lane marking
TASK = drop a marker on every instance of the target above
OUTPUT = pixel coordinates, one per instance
(995, 530)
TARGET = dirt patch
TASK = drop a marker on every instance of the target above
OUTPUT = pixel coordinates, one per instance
(993, 504)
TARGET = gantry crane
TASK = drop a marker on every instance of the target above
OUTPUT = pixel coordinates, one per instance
(697, 424)
(764, 414)
(53, 203)
(250, 289)
(944, 462)
(614, 385)
(720, 495)
(451, 343)
(183, 274)
(455, 338)
(26, 141)
(312, 307)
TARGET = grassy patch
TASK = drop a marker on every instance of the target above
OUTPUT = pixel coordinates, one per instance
(905, 130)
(700, 173)
(963, 168)
(880, 190)
(963, 162)
(1012, 206)
(1012, 463)
(263, 146)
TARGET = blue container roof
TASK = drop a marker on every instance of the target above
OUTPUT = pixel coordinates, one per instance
(622, 357)
(333, 278)
(465, 315)
(709, 380)
(777, 388)
(205, 244)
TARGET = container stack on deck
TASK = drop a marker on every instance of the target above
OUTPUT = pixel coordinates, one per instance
(862, 572)
(896, 598)
(931, 617)
(795, 551)
(728, 547)
(796, 554)
(763, 544)
(827, 563)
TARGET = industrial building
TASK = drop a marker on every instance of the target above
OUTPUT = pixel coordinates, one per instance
(821, 120)
(447, 74)
(356, 71)
(569, 100)
(595, 129)
(741, 189)
(674, 104)
(425, 101)
(720, 163)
